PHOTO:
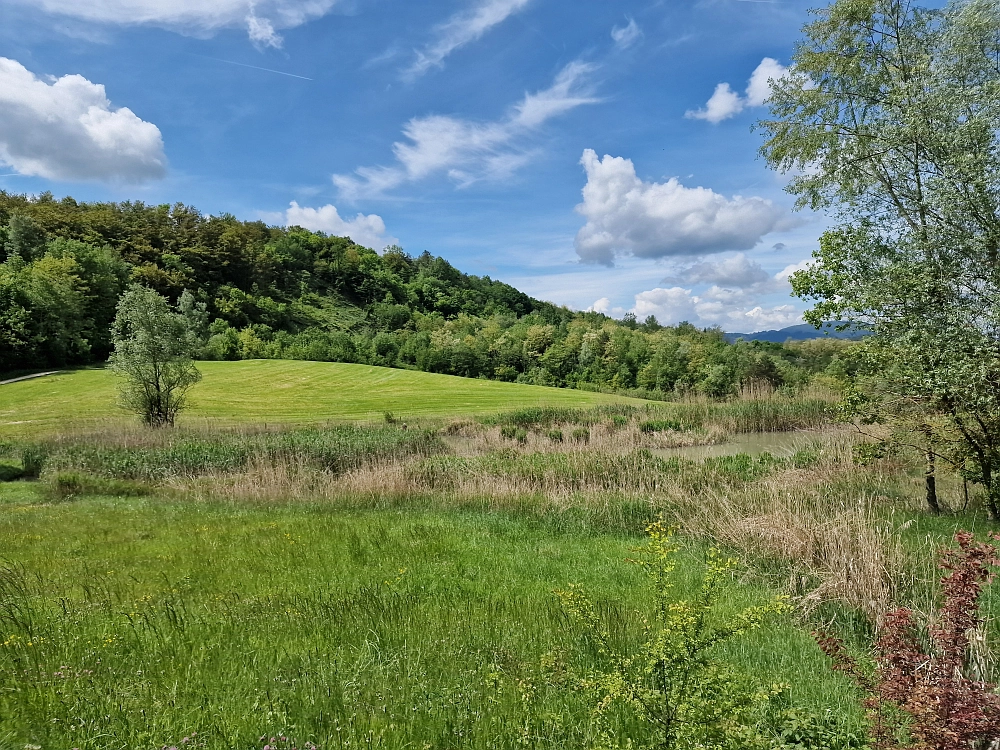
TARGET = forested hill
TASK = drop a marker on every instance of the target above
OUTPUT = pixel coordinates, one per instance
(275, 292)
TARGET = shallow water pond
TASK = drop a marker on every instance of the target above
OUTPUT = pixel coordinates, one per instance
(754, 443)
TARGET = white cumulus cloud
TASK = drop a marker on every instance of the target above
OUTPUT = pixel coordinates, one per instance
(787, 271)
(468, 151)
(759, 86)
(67, 129)
(731, 310)
(659, 219)
(260, 18)
(670, 305)
(367, 230)
(625, 36)
(764, 318)
(462, 28)
(725, 103)
(736, 272)
(602, 305)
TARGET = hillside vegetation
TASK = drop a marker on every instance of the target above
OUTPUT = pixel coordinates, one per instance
(262, 292)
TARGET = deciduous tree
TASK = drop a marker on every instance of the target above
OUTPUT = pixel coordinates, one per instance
(153, 349)
(890, 120)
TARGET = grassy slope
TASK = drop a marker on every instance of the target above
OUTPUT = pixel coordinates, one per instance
(282, 391)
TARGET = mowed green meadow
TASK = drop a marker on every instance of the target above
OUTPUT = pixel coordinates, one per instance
(281, 392)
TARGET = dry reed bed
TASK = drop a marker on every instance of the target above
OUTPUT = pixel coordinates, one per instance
(469, 439)
(829, 526)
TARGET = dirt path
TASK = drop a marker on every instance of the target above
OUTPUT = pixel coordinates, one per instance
(29, 377)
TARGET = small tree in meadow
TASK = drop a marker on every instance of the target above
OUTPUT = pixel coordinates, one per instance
(153, 349)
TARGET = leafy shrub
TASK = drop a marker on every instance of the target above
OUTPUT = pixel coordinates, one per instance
(660, 425)
(796, 729)
(556, 436)
(866, 453)
(924, 685)
(65, 485)
(33, 459)
(581, 435)
(671, 682)
(9, 473)
(512, 432)
(803, 459)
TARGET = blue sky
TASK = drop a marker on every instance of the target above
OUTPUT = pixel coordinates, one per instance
(595, 154)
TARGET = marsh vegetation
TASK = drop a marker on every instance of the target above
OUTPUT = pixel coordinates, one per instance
(385, 585)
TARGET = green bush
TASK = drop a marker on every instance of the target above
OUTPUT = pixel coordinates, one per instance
(673, 680)
(33, 459)
(66, 485)
(556, 436)
(9, 472)
(660, 425)
(581, 435)
(512, 432)
(803, 459)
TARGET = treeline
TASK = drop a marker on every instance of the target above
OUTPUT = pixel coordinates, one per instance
(273, 292)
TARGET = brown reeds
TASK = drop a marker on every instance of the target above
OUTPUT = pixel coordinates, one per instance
(828, 524)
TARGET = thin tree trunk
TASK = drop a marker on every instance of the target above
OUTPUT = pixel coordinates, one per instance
(991, 495)
(931, 483)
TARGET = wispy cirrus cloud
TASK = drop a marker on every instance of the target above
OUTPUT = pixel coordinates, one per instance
(625, 36)
(462, 28)
(468, 151)
(261, 18)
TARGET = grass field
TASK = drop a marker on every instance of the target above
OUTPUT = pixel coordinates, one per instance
(364, 585)
(281, 391)
(133, 623)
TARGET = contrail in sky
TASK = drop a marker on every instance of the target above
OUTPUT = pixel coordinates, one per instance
(255, 67)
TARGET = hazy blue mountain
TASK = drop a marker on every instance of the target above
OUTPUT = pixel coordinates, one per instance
(800, 333)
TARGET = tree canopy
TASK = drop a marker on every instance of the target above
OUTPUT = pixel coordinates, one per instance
(275, 292)
(890, 121)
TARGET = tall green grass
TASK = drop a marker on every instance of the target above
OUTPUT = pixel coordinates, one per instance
(742, 415)
(546, 416)
(182, 454)
(137, 623)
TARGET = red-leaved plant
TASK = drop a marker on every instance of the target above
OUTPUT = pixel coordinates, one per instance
(926, 691)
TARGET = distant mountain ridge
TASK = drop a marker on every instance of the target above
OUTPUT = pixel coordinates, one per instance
(801, 332)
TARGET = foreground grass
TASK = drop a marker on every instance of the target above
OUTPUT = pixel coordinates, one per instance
(386, 587)
(133, 623)
(282, 392)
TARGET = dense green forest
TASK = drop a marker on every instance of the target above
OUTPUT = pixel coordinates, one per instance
(259, 291)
